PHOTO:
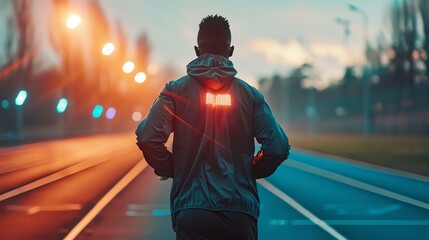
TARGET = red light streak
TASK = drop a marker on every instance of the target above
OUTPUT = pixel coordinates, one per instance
(12, 67)
(177, 96)
(191, 127)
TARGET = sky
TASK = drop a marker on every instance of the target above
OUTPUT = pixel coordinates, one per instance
(270, 36)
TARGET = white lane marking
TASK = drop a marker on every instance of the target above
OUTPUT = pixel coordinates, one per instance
(54, 177)
(283, 196)
(368, 222)
(278, 222)
(347, 209)
(134, 172)
(387, 170)
(36, 209)
(148, 210)
(355, 183)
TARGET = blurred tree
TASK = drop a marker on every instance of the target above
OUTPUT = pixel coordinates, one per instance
(403, 18)
(143, 51)
(27, 46)
(287, 95)
(96, 84)
(21, 49)
(67, 43)
(424, 12)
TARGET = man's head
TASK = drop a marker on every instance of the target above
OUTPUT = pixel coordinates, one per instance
(214, 37)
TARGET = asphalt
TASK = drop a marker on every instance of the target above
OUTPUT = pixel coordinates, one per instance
(310, 196)
(100, 188)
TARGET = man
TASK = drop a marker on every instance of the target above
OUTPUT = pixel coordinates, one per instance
(215, 118)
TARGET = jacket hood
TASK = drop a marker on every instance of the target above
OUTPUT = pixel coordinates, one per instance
(213, 71)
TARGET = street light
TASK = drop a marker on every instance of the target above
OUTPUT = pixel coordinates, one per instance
(346, 24)
(140, 77)
(108, 49)
(366, 109)
(128, 67)
(20, 98)
(359, 10)
(73, 21)
(62, 105)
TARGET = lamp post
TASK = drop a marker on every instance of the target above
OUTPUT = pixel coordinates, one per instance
(346, 24)
(365, 102)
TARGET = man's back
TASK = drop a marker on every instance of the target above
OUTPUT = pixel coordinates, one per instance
(213, 141)
(213, 147)
(215, 118)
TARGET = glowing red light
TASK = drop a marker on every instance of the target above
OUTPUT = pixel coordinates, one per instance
(218, 99)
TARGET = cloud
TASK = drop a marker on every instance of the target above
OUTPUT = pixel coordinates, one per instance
(330, 51)
(290, 53)
(329, 60)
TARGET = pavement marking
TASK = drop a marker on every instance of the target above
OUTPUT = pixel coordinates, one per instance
(148, 210)
(372, 166)
(133, 173)
(36, 209)
(356, 183)
(80, 166)
(283, 196)
(364, 222)
(278, 222)
(361, 209)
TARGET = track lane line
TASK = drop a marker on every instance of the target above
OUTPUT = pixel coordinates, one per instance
(365, 222)
(286, 198)
(355, 183)
(133, 173)
(65, 172)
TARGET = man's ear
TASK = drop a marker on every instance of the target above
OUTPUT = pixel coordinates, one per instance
(231, 51)
(197, 51)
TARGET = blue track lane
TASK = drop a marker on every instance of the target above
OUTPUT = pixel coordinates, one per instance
(357, 201)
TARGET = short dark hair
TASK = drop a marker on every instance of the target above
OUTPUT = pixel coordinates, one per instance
(214, 31)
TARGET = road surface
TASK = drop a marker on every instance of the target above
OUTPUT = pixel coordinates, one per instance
(100, 187)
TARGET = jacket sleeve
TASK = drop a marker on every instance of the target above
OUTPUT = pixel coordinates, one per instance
(274, 142)
(153, 132)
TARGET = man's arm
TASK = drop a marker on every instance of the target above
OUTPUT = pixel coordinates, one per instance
(153, 132)
(274, 142)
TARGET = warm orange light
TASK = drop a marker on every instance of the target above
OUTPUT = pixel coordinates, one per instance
(218, 99)
(137, 116)
(128, 67)
(140, 77)
(73, 21)
(153, 68)
(108, 49)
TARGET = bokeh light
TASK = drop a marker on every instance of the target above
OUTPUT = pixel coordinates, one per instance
(20, 98)
(128, 67)
(140, 77)
(137, 116)
(5, 104)
(73, 21)
(62, 105)
(108, 49)
(97, 111)
(110, 113)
